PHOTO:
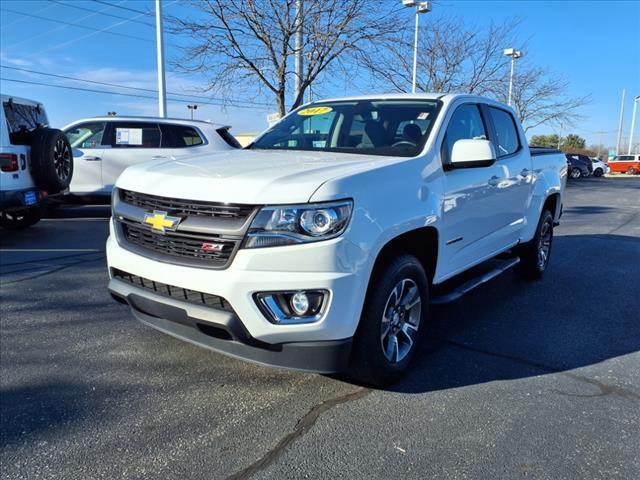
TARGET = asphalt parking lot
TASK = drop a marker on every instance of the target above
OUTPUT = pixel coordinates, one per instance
(516, 380)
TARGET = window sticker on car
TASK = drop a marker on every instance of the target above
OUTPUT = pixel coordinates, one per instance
(319, 143)
(128, 136)
(314, 111)
(423, 116)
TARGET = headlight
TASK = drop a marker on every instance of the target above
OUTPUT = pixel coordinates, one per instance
(292, 224)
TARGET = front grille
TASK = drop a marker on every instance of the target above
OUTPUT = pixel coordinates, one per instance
(188, 246)
(184, 208)
(178, 293)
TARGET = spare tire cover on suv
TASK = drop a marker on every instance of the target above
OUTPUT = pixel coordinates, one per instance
(51, 159)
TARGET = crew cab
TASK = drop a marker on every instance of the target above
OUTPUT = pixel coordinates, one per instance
(320, 246)
(36, 162)
(104, 146)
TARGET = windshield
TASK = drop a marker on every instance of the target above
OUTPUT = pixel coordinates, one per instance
(372, 127)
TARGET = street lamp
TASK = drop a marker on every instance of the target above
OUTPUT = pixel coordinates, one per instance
(633, 123)
(421, 7)
(514, 54)
(191, 109)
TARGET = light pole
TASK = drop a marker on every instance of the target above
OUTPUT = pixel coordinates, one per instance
(298, 47)
(514, 54)
(421, 7)
(624, 93)
(191, 109)
(633, 123)
(162, 93)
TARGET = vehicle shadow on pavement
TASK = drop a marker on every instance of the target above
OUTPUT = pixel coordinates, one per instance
(37, 409)
(582, 312)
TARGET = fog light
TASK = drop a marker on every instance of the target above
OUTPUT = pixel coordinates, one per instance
(300, 303)
(302, 306)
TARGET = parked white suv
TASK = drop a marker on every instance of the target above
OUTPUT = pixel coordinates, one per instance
(599, 167)
(35, 162)
(318, 246)
(104, 146)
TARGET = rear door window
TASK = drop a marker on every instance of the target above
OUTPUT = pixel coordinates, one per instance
(180, 136)
(508, 141)
(135, 135)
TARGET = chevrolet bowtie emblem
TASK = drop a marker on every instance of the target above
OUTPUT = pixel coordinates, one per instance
(161, 221)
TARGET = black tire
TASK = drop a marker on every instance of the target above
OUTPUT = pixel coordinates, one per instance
(598, 172)
(51, 159)
(576, 173)
(632, 171)
(20, 219)
(369, 363)
(532, 266)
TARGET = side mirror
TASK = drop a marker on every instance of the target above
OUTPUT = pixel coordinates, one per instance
(469, 153)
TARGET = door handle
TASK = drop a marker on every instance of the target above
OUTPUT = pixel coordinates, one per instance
(493, 181)
(92, 159)
(158, 157)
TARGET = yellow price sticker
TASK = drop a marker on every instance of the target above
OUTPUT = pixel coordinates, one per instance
(314, 111)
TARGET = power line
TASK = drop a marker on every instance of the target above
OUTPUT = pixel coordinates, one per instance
(71, 24)
(91, 90)
(122, 8)
(101, 12)
(29, 38)
(115, 85)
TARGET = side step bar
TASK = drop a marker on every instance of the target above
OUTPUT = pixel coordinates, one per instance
(466, 287)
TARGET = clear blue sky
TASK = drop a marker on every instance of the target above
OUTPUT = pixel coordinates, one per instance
(596, 45)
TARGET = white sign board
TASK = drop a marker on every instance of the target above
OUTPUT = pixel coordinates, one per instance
(128, 136)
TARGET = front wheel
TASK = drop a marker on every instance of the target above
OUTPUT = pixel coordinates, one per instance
(534, 255)
(598, 172)
(20, 219)
(392, 321)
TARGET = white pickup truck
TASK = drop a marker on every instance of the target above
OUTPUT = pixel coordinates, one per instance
(320, 246)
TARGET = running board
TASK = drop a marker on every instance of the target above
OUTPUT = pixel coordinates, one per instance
(466, 287)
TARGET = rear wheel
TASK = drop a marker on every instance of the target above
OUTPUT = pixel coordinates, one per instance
(390, 327)
(534, 255)
(20, 219)
(576, 173)
(632, 171)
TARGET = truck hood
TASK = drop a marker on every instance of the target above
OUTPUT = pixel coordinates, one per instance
(246, 176)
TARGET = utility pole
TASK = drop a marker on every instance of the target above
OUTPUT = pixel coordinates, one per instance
(633, 123)
(620, 123)
(162, 92)
(298, 52)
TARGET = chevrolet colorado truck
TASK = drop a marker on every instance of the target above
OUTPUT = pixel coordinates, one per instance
(320, 246)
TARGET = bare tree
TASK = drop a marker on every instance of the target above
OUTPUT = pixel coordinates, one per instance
(541, 98)
(247, 46)
(458, 58)
(452, 57)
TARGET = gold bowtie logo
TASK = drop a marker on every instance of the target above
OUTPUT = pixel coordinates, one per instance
(161, 221)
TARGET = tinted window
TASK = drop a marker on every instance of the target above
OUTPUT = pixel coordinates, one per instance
(466, 123)
(507, 141)
(23, 117)
(86, 135)
(180, 136)
(372, 127)
(135, 135)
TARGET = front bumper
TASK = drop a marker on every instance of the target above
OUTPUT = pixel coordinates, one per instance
(337, 266)
(224, 332)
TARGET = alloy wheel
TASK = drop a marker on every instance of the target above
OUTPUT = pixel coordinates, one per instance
(400, 320)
